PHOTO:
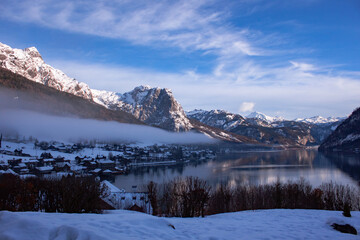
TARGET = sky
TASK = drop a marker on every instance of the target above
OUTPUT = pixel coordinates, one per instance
(285, 58)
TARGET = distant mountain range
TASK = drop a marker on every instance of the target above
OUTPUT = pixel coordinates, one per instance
(267, 129)
(158, 107)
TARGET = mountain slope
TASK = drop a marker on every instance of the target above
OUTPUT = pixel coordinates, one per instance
(29, 64)
(21, 93)
(221, 134)
(346, 136)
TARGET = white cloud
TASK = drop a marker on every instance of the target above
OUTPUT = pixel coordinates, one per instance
(184, 24)
(303, 66)
(299, 88)
(247, 107)
(291, 91)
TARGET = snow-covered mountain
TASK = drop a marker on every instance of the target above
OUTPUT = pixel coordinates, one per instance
(217, 118)
(158, 107)
(266, 118)
(311, 120)
(29, 63)
(266, 129)
(154, 106)
(319, 120)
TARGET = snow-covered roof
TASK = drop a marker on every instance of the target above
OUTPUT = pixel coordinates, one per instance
(112, 188)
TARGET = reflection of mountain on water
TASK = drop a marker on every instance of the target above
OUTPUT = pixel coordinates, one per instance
(346, 162)
(254, 168)
(258, 160)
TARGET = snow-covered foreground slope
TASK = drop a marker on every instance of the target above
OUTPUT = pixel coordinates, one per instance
(262, 224)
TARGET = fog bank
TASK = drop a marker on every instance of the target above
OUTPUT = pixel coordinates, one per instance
(46, 127)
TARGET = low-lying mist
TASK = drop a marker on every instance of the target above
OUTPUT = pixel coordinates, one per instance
(47, 127)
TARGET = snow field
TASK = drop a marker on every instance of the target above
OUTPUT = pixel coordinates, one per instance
(121, 224)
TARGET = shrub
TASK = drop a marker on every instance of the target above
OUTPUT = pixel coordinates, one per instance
(69, 194)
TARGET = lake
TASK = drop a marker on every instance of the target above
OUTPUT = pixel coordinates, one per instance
(254, 168)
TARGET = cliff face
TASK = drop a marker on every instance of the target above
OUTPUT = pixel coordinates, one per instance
(154, 106)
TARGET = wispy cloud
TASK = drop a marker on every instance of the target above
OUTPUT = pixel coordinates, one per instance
(288, 90)
(188, 25)
(250, 67)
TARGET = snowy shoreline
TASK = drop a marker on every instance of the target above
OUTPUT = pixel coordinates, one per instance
(121, 224)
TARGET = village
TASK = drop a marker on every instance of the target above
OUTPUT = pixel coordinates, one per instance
(53, 159)
(103, 160)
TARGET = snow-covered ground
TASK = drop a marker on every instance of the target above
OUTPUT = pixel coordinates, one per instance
(121, 224)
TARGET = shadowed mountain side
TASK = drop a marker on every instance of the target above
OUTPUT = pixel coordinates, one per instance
(286, 135)
(221, 134)
(21, 93)
(346, 137)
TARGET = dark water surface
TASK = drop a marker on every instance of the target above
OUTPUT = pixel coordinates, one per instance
(255, 168)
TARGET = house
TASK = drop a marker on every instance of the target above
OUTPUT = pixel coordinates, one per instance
(106, 164)
(120, 199)
(96, 171)
(31, 163)
(14, 162)
(62, 167)
(44, 170)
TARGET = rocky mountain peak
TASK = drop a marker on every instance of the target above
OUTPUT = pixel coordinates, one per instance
(29, 63)
(33, 52)
(157, 107)
(264, 117)
(154, 106)
(217, 118)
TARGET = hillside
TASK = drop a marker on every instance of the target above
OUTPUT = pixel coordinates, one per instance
(346, 137)
(220, 134)
(21, 93)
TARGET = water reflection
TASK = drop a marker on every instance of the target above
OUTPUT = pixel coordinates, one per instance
(255, 168)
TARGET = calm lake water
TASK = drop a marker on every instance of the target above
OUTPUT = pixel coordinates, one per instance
(254, 168)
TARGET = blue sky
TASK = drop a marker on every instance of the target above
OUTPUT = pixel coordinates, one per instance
(290, 58)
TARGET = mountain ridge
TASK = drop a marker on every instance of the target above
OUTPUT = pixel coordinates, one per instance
(143, 102)
(259, 128)
(158, 107)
